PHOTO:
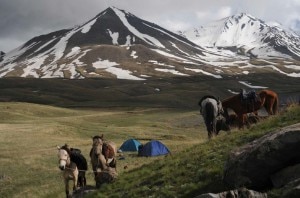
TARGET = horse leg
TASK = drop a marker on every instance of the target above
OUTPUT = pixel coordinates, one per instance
(246, 120)
(95, 169)
(214, 126)
(241, 119)
(271, 106)
(113, 163)
(267, 106)
(275, 106)
(67, 187)
(209, 135)
(75, 179)
(84, 179)
(255, 113)
(80, 180)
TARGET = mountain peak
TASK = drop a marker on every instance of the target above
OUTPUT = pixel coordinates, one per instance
(242, 18)
(249, 35)
(112, 38)
(117, 44)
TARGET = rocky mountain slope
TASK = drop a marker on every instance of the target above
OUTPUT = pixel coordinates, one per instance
(118, 44)
(247, 35)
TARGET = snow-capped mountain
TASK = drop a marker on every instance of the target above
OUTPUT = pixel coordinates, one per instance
(114, 43)
(118, 44)
(247, 35)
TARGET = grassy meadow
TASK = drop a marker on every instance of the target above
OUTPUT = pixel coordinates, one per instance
(36, 115)
(29, 134)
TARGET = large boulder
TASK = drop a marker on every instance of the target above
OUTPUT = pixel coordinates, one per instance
(254, 164)
(108, 175)
(286, 176)
(240, 193)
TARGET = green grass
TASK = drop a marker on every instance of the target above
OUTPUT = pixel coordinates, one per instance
(29, 134)
(195, 170)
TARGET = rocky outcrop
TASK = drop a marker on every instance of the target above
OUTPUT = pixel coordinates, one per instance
(260, 162)
(238, 193)
(106, 176)
(285, 176)
(82, 192)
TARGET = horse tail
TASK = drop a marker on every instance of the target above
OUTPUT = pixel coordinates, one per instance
(209, 117)
(209, 108)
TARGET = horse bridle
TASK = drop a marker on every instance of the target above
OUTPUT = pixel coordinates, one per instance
(66, 160)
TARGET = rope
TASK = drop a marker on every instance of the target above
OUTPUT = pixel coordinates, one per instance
(87, 170)
(80, 170)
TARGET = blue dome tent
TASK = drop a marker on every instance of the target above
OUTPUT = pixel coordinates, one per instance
(130, 145)
(153, 148)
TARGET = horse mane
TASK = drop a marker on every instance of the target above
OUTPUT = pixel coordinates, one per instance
(76, 157)
(66, 148)
(205, 97)
(98, 137)
(79, 160)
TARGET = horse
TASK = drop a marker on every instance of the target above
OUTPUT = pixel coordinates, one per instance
(264, 98)
(103, 160)
(103, 154)
(270, 101)
(81, 163)
(211, 110)
(69, 163)
(251, 118)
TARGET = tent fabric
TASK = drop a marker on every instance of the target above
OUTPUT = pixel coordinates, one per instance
(130, 145)
(153, 148)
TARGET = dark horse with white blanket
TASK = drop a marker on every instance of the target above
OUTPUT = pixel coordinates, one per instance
(212, 110)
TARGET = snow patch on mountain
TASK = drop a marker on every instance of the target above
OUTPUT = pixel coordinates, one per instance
(110, 67)
(74, 51)
(252, 86)
(203, 72)
(148, 39)
(295, 67)
(172, 71)
(133, 54)
(86, 28)
(292, 74)
(114, 36)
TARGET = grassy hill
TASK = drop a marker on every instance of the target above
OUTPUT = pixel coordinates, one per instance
(29, 134)
(195, 170)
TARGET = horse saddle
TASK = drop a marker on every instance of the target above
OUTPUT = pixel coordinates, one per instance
(249, 96)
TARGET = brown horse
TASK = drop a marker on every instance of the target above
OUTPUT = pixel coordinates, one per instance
(103, 159)
(103, 154)
(265, 98)
(270, 101)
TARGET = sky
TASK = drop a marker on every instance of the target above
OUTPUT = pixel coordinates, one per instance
(21, 20)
